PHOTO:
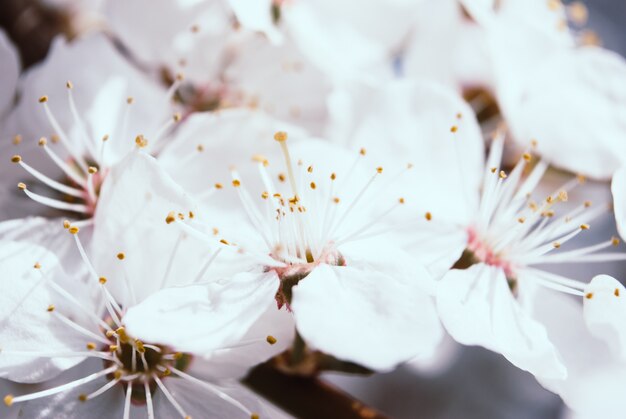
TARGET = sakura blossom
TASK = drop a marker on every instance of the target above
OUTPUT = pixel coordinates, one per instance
(295, 208)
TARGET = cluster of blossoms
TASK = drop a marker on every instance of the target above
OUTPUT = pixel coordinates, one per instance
(206, 185)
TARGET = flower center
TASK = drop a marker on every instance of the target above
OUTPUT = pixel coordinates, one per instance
(139, 364)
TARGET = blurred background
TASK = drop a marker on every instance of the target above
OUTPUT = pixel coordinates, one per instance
(470, 383)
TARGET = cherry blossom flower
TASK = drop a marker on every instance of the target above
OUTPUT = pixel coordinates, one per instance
(567, 97)
(318, 235)
(96, 120)
(55, 321)
(503, 232)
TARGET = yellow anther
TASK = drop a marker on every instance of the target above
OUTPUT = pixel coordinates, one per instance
(409, 165)
(548, 213)
(55, 139)
(92, 170)
(254, 416)
(333, 176)
(140, 348)
(556, 245)
(8, 400)
(428, 216)
(549, 199)
(171, 217)
(578, 13)
(50, 308)
(21, 185)
(224, 241)
(200, 148)
(43, 99)
(587, 204)
(459, 115)
(527, 157)
(493, 169)
(336, 200)
(177, 356)
(69, 85)
(216, 231)
(379, 170)
(66, 224)
(121, 256)
(309, 169)
(280, 136)
(562, 196)
(271, 339)
(521, 220)
(195, 28)
(236, 183)
(265, 195)
(362, 151)
(113, 348)
(192, 214)
(16, 159)
(73, 230)
(260, 158)
(91, 346)
(218, 186)
(130, 100)
(584, 226)
(177, 117)
(589, 295)
(282, 177)
(502, 175)
(454, 128)
(581, 179)
(118, 374)
(141, 141)
(534, 143)
(616, 292)
(181, 216)
(17, 139)
(102, 280)
(105, 138)
(313, 186)
(37, 265)
(167, 372)
(42, 141)
(614, 241)
(82, 397)
(180, 76)
(401, 200)
(110, 333)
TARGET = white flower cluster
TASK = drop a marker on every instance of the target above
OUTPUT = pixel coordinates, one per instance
(203, 185)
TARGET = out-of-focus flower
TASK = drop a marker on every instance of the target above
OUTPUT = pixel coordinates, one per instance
(317, 232)
(10, 69)
(51, 328)
(98, 113)
(569, 98)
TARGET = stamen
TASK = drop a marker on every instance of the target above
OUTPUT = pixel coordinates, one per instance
(281, 137)
(53, 203)
(149, 406)
(46, 180)
(170, 397)
(59, 389)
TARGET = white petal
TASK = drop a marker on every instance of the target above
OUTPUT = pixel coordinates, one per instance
(204, 318)
(165, 36)
(572, 103)
(405, 122)
(136, 198)
(236, 136)
(477, 308)
(280, 80)
(199, 402)
(26, 323)
(618, 188)
(605, 311)
(359, 315)
(10, 69)
(235, 363)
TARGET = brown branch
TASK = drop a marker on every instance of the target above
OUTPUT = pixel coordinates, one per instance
(306, 397)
